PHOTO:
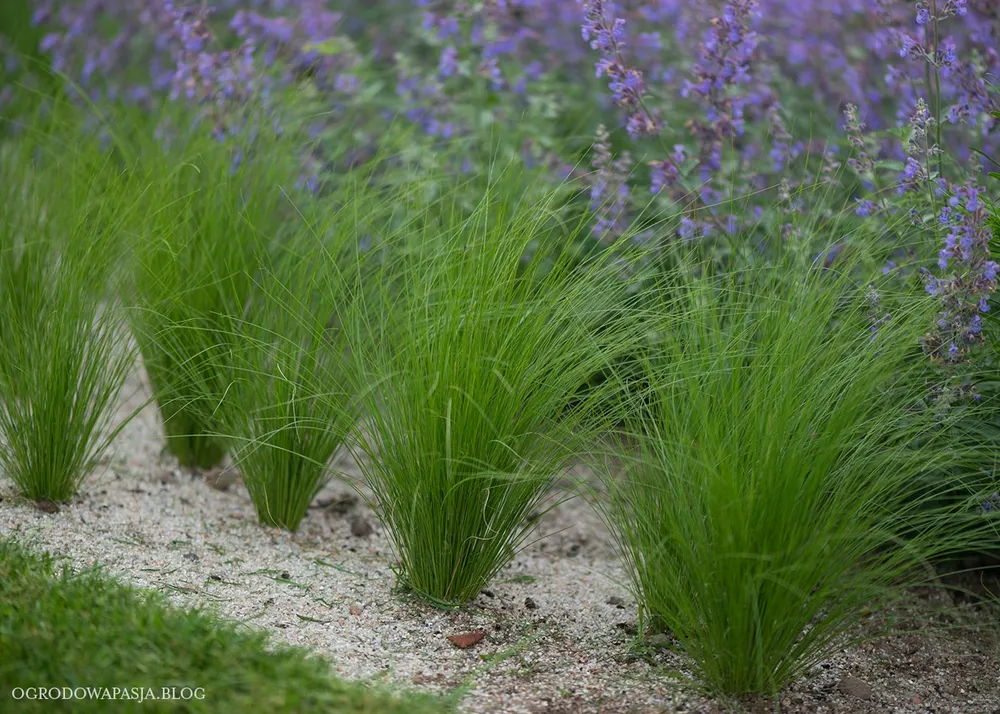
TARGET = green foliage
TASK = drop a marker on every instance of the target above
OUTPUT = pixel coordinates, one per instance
(467, 336)
(63, 352)
(473, 389)
(769, 501)
(276, 380)
(213, 205)
(24, 66)
(62, 629)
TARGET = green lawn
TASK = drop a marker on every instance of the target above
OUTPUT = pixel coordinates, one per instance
(59, 629)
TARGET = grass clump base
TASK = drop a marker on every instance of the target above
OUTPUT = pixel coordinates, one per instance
(190, 440)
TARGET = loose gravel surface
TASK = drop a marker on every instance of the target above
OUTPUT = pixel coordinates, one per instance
(559, 622)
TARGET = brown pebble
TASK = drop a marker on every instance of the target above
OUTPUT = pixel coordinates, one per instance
(47, 506)
(854, 687)
(467, 639)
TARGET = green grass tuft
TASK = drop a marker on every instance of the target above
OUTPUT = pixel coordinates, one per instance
(64, 355)
(474, 388)
(770, 500)
(279, 384)
(192, 258)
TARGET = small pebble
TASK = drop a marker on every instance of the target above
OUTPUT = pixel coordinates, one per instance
(628, 627)
(220, 480)
(360, 527)
(658, 640)
(854, 687)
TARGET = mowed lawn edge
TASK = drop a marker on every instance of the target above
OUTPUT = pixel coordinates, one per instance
(60, 629)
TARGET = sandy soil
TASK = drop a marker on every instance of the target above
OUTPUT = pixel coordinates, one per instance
(560, 622)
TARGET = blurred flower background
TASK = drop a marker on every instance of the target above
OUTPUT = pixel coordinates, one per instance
(741, 125)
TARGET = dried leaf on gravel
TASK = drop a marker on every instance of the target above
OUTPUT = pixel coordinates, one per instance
(468, 639)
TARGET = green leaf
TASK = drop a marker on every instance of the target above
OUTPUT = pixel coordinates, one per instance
(987, 157)
(329, 47)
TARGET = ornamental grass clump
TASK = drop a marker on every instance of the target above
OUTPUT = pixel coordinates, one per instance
(488, 326)
(64, 353)
(772, 496)
(211, 209)
(277, 381)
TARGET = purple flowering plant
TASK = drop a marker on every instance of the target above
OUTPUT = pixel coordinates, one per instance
(746, 126)
(711, 111)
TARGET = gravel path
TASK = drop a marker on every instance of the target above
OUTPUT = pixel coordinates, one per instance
(559, 620)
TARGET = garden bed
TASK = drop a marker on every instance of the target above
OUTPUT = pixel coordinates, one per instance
(559, 621)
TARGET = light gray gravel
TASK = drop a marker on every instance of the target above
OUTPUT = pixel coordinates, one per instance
(325, 588)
